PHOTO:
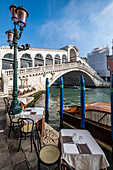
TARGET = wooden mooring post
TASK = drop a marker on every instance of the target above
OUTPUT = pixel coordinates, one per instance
(82, 84)
(61, 102)
(111, 95)
(47, 100)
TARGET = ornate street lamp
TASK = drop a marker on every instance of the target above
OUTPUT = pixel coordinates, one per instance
(19, 16)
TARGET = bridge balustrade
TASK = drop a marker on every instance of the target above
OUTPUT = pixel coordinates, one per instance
(56, 67)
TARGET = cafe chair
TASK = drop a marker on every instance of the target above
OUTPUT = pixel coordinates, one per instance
(65, 166)
(13, 121)
(7, 104)
(48, 155)
(26, 129)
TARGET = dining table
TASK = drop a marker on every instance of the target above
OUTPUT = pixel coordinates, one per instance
(37, 115)
(80, 150)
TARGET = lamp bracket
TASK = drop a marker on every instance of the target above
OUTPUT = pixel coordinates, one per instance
(16, 32)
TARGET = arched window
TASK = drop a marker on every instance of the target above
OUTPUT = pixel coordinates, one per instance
(72, 55)
(25, 61)
(64, 59)
(7, 61)
(57, 59)
(38, 60)
(49, 60)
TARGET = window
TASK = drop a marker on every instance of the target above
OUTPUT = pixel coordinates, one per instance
(25, 61)
(64, 59)
(108, 59)
(7, 61)
(38, 60)
(108, 66)
(57, 59)
(49, 60)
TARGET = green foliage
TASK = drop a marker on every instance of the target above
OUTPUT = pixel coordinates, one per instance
(36, 97)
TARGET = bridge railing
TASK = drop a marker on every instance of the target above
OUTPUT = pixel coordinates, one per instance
(50, 68)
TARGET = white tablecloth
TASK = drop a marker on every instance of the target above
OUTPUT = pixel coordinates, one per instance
(95, 161)
(22, 99)
(21, 90)
(36, 117)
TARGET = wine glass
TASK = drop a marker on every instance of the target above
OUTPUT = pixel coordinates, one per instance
(80, 140)
(74, 137)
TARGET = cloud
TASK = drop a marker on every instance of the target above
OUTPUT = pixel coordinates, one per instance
(85, 25)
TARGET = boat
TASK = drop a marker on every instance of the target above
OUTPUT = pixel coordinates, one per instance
(97, 120)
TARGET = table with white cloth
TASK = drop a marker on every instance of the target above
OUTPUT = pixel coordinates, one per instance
(80, 161)
(37, 115)
(21, 91)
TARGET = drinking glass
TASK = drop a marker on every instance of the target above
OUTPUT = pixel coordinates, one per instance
(80, 139)
(74, 137)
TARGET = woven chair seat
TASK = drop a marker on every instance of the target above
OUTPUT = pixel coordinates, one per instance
(15, 120)
(27, 128)
(49, 154)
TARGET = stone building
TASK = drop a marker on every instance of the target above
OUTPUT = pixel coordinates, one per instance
(97, 59)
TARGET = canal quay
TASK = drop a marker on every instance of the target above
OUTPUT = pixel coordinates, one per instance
(10, 159)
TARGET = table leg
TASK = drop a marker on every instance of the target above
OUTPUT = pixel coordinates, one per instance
(41, 126)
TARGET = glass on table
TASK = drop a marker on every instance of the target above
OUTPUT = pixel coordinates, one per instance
(74, 137)
(80, 140)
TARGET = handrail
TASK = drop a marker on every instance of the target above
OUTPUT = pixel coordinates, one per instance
(53, 68)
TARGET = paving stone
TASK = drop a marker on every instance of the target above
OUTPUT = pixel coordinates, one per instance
(4, 159)
(17, 158)
(31, 158)
(22, 166)
(26, 145)
(9, 167)
(12, 145)
(2, 143)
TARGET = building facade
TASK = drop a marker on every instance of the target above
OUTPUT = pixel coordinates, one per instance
(36, 57)
(97, 59)
(110, 64)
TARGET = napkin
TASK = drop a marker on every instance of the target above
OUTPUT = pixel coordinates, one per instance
(67, 139)
(33, 113)
(28, 110)
(83, 149)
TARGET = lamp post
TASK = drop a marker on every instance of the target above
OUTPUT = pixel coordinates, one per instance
(19, 16)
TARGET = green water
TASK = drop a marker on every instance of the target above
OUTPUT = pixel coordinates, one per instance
(72, 97)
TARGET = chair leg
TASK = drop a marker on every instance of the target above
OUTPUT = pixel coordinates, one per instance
(9, 130)
(20, 142)
(31, 142)
(38, 164)
(25, 136)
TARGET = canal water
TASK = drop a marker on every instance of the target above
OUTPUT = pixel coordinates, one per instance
(72, 97)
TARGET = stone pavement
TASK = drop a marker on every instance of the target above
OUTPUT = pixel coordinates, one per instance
(10, 159)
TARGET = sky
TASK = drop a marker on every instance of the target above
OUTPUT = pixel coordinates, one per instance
(53, 24)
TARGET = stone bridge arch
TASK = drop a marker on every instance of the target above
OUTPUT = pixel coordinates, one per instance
(88, 78)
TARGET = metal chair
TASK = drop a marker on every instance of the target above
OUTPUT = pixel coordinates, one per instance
(7, 104)
(47, 155)
(65, 166)
(26, 128)
(13, 121)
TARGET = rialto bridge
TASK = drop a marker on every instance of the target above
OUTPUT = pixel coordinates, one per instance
(35, 65)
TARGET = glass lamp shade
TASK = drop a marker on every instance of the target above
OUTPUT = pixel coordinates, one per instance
(9, 36)
(13, 12)
(22, 15)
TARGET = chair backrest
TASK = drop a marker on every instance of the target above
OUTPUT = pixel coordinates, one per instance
(11, 115)
(26, 121)
(37, 142)
(6, 101)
